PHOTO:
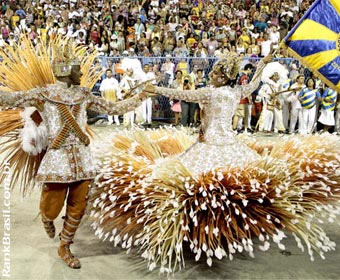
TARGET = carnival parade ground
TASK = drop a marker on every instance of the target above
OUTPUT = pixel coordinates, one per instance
(34, 256)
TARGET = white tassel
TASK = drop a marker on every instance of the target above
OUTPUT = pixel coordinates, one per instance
(31, 133)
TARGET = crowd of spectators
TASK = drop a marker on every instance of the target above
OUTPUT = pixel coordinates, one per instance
(172, 29)
(179, 28)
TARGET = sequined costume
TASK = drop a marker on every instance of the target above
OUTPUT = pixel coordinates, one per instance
(217, 144)
(71, 161)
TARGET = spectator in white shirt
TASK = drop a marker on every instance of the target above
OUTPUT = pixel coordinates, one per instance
(211, 45)
(274, 37)
(168, 68)
(266, 45)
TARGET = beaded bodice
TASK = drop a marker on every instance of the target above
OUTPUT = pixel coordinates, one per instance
(217, 116)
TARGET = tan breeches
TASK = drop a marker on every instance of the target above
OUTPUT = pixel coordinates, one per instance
(54, 194)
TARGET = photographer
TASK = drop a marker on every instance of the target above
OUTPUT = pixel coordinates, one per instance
(188, 108)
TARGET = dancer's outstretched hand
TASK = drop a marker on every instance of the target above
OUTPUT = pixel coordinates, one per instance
(142, 95)
(150, 89)
(268, 58)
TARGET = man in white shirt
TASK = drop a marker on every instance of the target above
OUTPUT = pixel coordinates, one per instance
(100, 3)
(73, 14)
(126, 84)
(81, 39)
(298, 2)
(272, 108)
(154, 3)
(110, 90)
(147, 104)
(266, 46)
(287, 12)
(62, 30)
(70, 30)
(292, 98)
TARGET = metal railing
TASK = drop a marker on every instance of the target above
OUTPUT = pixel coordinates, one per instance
(161, 104)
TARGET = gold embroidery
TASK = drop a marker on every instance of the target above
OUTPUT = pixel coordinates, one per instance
(68, 179)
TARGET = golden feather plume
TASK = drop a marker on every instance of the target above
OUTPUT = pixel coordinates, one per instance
(142, 199)
(26, 66)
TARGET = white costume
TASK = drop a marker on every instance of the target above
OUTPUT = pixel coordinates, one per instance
(217, 143)
(147, 104)
(292, 98)
(270, 111)
(126, 84)
(272, 104)
(111, 91)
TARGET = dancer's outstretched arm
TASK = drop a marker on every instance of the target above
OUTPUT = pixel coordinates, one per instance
(102, 105)
(247, 90)
(21, 98)
(198, 95)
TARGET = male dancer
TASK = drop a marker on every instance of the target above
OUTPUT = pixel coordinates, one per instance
(67, 168)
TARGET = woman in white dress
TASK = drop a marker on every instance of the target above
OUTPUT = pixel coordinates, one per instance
(217, 144)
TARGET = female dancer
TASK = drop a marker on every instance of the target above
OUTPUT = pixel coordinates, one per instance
(158, 191)
(217, 144)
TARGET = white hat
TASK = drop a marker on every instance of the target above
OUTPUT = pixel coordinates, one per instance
(114, 37)
(125, 52)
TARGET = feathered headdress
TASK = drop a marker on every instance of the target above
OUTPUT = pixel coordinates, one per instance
(135, 66)
(64, 59)
(229, 65)
(274, 68)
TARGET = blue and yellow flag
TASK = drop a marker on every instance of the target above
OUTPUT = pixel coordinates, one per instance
(315, 41)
